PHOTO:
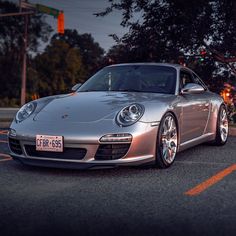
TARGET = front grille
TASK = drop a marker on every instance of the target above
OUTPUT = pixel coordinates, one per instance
(15, 146)
(68, 153)
(111, 151)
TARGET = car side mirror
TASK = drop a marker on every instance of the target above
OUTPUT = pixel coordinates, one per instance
(76, 87)
(192, 88)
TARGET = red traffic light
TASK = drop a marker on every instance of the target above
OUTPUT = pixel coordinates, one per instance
(60, 23)
(203, 54)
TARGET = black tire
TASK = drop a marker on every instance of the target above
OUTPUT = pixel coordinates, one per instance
(219, 140)
(161, 160)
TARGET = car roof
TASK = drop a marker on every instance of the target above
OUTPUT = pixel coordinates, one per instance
(176, 66)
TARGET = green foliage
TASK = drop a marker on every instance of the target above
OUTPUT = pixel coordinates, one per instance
(68, 59)
(163, 30)
(223, 27)
(118, 53)
(91, 53)
(55, 70)
(11, 44)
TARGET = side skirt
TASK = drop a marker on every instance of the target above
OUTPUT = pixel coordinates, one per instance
(193, 142)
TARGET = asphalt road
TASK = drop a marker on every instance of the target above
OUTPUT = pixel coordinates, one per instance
(122, 201)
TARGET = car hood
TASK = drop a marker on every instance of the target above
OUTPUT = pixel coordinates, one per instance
(94, 106)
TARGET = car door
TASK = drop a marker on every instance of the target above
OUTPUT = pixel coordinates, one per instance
(195, 109)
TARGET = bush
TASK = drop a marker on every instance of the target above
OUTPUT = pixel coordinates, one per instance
(6, 102)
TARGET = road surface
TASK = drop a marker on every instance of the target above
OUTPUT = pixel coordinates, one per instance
(196, 196)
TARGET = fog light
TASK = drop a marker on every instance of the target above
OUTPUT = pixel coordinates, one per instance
(12, 133)
(127, 138)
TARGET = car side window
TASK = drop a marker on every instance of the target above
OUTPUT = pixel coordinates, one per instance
(185, 78)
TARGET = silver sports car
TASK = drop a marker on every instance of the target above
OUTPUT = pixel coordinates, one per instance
(126, 114)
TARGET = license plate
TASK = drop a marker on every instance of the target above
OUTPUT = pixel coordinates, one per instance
(49, 143)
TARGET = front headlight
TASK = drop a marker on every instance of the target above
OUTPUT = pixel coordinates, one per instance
(130, 114)
(25, 111)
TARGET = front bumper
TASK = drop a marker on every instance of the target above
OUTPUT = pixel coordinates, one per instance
(82, 165)
(142, 148)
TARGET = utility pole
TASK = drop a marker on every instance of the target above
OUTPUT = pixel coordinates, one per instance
(23, 74)
(24, 52)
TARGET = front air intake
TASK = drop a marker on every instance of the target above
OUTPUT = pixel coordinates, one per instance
(68, 153)
(111, 151)
(15, 146)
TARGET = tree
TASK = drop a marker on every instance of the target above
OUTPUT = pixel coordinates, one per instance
(118, 54)
(160, 33)
(162, 30)
(11, 42)
(90, 51)
(56, 70)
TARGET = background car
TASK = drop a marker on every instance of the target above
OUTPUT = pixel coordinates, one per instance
(126, 114)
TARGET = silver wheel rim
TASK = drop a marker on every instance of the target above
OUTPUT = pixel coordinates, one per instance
(224, 126)
(169, 139)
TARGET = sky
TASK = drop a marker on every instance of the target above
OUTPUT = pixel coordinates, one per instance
(79, 16)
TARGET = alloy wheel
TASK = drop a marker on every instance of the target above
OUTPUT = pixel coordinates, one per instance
(169, 139)
(224, 126)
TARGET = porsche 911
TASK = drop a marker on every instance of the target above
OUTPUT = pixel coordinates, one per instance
(125, 115)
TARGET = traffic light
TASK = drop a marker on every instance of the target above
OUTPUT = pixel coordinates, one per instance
(60, 23)
(202, 55)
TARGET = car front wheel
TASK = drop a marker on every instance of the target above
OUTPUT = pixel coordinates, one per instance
(222, 127)
(167, 141)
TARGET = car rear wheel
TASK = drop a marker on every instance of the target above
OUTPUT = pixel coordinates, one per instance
(222, 127)
(167, 141)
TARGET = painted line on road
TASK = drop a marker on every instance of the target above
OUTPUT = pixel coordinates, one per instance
(6, 157)
(3, 141)
(4, 132)
(211, 181)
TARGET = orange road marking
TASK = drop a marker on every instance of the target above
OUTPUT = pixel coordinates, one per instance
(4, 132)
(6, 157)
(211, 181)
(3, 141)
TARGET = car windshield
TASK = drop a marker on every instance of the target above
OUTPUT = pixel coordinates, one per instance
(133, 78)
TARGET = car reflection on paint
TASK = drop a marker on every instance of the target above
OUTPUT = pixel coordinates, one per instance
(126, 114)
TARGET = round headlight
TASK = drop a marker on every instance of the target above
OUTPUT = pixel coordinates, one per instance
(25, 111)
(130, 114)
